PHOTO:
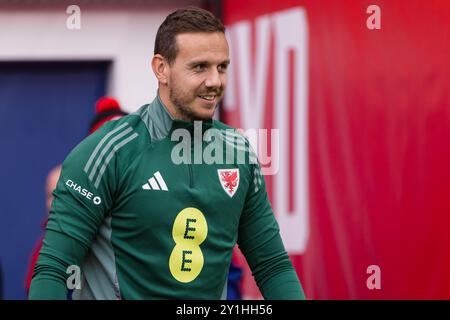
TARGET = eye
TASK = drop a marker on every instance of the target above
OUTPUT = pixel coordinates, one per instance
(222, 67)
(200, 67)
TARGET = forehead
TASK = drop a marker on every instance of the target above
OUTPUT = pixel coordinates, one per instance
(207, 46)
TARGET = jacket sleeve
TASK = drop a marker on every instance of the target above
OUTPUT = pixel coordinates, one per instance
(81, 199)
(260, 242)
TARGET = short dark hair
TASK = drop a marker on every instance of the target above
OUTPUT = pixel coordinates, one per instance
(190, 19)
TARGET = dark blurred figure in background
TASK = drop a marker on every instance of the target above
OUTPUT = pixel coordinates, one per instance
(106, 109)
(50, 185)
(234, 291)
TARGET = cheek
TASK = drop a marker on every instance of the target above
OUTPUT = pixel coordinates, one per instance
(187, 84)
(176, 78)
(194, 85)
(187, 81)
(223, 80)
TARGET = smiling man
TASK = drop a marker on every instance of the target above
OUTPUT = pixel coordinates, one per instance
(153, 228)
(192, 83)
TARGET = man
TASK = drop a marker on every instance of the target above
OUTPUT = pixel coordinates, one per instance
(142, 224)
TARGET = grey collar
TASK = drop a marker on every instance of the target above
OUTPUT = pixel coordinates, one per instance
(160, 123)
(157, 119)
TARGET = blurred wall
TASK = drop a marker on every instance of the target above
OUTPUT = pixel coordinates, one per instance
(45, 110)
(123, 34)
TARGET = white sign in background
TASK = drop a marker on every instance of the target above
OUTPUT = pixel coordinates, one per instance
(290, 28)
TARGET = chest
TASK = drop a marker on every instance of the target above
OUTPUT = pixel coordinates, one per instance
(156, 191)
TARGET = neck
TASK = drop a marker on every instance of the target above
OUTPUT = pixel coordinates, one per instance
(171, 108)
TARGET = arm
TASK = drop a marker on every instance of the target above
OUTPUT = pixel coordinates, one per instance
(73, 221)
(58, 252)
(259, 240)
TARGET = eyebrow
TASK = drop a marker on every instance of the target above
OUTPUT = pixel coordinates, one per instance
(197, 62)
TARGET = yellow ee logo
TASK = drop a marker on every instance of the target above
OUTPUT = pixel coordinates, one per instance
(189, 231)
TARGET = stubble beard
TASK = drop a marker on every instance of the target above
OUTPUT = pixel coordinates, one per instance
(181, 102)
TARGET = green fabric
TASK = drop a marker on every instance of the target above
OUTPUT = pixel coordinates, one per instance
(58, 252)
(135, 237)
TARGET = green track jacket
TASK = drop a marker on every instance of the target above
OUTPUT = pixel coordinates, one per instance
(150, 207)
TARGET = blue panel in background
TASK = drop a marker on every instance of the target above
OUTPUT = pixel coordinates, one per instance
(45, 110)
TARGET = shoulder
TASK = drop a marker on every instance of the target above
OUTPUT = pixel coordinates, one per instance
(222, 126)
(115, 134)
(126, 135)
(237, 140)
(230, 133)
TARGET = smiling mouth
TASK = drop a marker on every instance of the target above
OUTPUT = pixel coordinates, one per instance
(209, 98)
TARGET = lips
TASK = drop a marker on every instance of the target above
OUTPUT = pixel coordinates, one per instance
(208, 97)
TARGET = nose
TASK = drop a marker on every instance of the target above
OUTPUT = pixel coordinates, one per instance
(213, 79)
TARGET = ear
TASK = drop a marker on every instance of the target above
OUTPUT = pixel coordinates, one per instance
(160, 68)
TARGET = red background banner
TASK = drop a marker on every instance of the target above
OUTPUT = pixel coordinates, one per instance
(377, 127)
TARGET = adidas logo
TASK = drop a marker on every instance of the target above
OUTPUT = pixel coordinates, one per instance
(155, 183)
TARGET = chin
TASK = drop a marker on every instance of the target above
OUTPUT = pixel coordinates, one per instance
(204, 114)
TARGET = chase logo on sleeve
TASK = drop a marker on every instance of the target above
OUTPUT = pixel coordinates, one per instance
(84, 192)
